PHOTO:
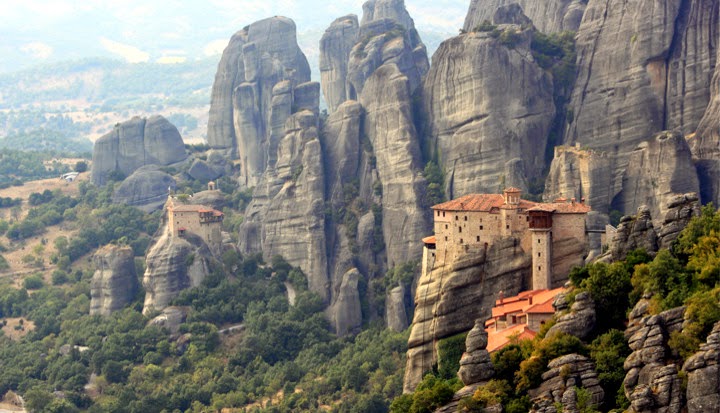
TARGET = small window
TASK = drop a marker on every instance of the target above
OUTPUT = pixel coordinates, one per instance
(438, 213)
(539, 268)
(443, 213)
(445, 238)
(538, 241)
(456, 217)
(527, 219)
(465, 217)
(460, 229)
(478, 238)
(538, 254)
(481, 227)
(506, 226)
(461, 240)
(446, 226)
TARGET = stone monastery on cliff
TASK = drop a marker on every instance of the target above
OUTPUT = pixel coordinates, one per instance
(200, 220)
(475, 222)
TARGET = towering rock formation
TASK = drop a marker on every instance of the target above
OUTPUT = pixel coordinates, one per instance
(657, 171)
(489, 109)
(136, 143)
(579, 173)
(349, 54)
(114, 283)
(146, 189)
(547, 16)
(253, 92)
(390, 129)
(452, 296)
(625, 95)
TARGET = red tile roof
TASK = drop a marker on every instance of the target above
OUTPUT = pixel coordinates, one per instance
(196, 208)
(499, 339)
(429, 240)
(526, 300)
(473, 202)
(541, 308)
(563, 208)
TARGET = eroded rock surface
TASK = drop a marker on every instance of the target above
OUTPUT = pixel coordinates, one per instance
(488, 105)
(136, 143)
(547, 16)
(451, 297)
(475, 363)
(579, 321)
(115, 282)
(703, 368)
(147, 189)
(565, 375)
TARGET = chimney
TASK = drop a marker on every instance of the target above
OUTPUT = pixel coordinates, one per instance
(501, 297)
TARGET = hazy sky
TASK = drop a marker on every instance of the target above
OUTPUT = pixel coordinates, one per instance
(37, 31)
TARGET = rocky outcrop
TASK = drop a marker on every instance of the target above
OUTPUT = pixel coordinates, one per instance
(579, 321)
(488, 105)
(657, 171)
(475, 364)
(350, 53)
(395, 314)
(287, 214)
(639, 231)
(335, 46)
(345, 313)
(255, 92)
(170, 318)
(547, 16)
(391, 131)
(451, 297)
(146, 189)
(174, 264)
(135, 143)
(652, 383)
(703, 385)
(115, 283)
(624, 95)
(202, 171)
(579, 173)
(565, 375)
(705, 144)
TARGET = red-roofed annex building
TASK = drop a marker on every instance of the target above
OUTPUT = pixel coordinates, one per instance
(474, 222)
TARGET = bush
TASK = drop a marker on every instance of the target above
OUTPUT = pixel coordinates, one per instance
(59, 277)
(33, 282)
(449, 352)
(81, 166)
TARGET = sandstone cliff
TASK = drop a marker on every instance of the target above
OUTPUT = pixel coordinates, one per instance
(115, 282)
(488, 105)
(703, 378)
(135, 143)
(565, 375)
(350, 53)
(660, 81)
(451, 297)
(146, 189)
(172, 265)
(547, 16)
(255, 91)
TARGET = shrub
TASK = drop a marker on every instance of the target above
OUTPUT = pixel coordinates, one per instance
(59, 277)
(449, 352)
(33, 282)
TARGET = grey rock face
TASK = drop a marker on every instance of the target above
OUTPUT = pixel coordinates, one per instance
(547, 16)
(705, 144)
(651, 384)
(350, 53)
(450, 298)
(580, 321)
(114, 283)
(580, 173)
(703, 368)
(202, 171)
(286, 216)
(253, 93)
(335, 46)
(564, 376)
(397, 319)
(136, 143)
(638, 231)
(389, 126)
(487, 105)
(147, 189)
(624, 95)
(475, 364)
(171, 318)
(657, 171)
(173, 264)
(345, 312)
